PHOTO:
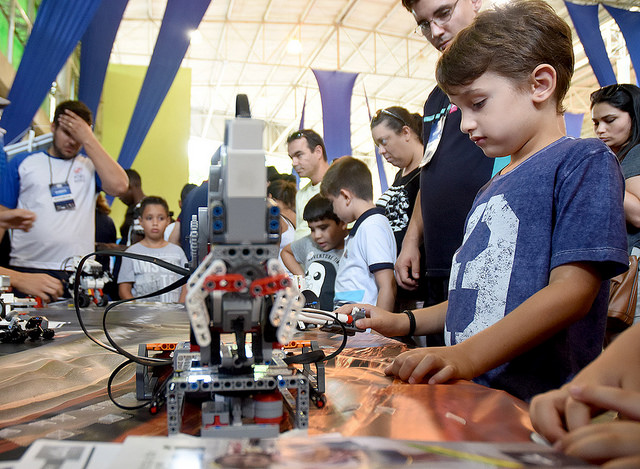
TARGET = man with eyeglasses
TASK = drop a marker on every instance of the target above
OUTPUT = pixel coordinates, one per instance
(453, 167)
(309, 158)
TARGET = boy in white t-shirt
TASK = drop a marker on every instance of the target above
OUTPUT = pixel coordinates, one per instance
(138, 277)
(365, 272)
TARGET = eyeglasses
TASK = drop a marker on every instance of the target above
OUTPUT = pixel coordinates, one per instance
(441, 18)
(379, 112)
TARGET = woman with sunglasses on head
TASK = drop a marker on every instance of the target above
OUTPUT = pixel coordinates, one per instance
(615, 111)
(398, 135)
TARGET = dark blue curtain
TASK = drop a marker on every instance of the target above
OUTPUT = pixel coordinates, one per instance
(586, 23)
(304, 107)
(379, 164)
(96, 45)
(335, 93)
(573, 123)
(171, 46)
(629, 23)
(58, 27)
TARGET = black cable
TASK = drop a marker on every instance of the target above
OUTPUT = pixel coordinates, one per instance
(345, 335)
(110, 381)
(115, 347)
(146, 361)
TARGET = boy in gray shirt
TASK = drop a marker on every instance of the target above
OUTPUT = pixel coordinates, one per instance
(316, 256)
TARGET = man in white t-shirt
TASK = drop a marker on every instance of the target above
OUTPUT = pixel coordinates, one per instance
(60, 186)
(309, 158)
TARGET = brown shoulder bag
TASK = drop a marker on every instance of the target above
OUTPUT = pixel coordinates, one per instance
(623, 296)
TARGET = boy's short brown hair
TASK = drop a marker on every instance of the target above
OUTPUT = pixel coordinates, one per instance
(510, 41)
(349, 173)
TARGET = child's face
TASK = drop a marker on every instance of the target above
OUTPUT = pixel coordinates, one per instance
(497, 115)
(341, 207)
(154, 220)
(328, 234)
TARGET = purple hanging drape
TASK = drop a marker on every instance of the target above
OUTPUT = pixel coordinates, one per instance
(586, 23)
(171, 46)
(95, 50)
(58, 27)
(573, 122)
(335, 93)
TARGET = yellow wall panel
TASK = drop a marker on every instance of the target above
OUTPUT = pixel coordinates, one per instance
(162, 161)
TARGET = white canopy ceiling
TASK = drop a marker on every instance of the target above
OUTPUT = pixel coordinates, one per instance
(242, 48)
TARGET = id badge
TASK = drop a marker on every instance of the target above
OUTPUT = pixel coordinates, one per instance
(61, 195)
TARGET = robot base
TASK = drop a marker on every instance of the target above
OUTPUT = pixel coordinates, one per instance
(249, 405)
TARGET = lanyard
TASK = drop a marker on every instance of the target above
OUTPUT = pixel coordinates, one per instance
(66, 181)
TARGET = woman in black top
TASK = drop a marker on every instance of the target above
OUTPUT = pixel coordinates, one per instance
(398, 135)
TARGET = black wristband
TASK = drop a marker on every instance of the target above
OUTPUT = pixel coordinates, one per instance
(412, 322)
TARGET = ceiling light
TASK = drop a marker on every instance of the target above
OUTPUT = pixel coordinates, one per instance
(196, 36)
(294, 46)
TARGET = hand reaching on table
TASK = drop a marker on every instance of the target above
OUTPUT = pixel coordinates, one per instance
(384, 322)
(615, 443)
(616, 372)
(432, 364)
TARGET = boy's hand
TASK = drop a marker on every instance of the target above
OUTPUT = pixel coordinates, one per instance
(437, 364)
(39, 285)
(384, 322)
(623, 401)
(615, 443)
(18, 218)
(547, 412)
(571, 407)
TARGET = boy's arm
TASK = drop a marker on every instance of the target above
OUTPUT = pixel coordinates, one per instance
(124, 290)
(114, 179)
(386, 289)
(290, 262)
(428, 320)
(570, 293)
(183, 294)
(408, 263)
(41, 285)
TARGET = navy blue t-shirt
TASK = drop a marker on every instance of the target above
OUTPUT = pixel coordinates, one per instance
(561, 205)
(448, 184)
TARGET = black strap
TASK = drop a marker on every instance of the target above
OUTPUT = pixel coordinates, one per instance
(412, 321)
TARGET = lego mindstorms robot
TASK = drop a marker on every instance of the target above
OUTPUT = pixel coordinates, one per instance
(239, 290)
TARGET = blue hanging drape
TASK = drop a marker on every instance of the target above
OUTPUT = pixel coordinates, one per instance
(379, 164)
(171, 46)
(57, 29)
(573, 122)
(586, 23)
(629, 23)
(95, 50)
(335, 93)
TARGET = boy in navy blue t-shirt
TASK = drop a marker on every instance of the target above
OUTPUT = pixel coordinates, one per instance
(528, 290)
